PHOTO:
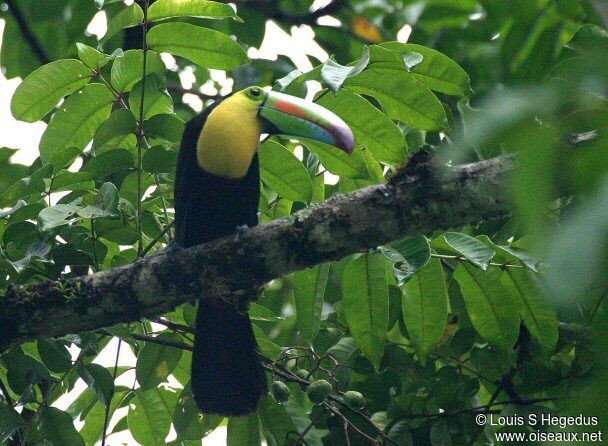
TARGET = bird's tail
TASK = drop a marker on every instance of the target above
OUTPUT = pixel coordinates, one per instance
(227, 374)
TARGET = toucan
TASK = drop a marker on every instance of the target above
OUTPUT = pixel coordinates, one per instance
(217, 190)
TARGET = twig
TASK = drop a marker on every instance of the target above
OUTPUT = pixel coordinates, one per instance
(165, 213)
(153, 340)
(173, 325)
(28, 33)
(347, 423)
(302, 434)
(107, 414)
(462, 365)
(156, 239)
(141, 137)
(480, 427)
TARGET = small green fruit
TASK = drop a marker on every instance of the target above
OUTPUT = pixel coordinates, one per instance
(279, 391)
(301, 373)
(318, 391)
(354, 400)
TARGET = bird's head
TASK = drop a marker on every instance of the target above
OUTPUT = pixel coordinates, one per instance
(231, 133)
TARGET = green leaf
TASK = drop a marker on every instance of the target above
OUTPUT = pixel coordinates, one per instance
(156, 97)
(309, 290)
(130, 16)
(95, 59)
(108, 198)
(476, 252)
(101, 3)
(425, 307)
(159, 159)
(121, 122)
(54, 355)
(337, 161)
(286, 80)
(346, 352)
(538, 312)
(99, 381)
(10, 422)
(15, 192)
(402, 97)
(334, 74)
(94, 416)
(187, 419)
(20, 370)
(58, 215)
(127, 70)
(400, 433)
(489, 304)
(75, 123)
(588, 38)
(528, 259)
(84, 401)
(42, 90)
(109, 162)
(244, 431)
(365, 296)
(66, 180)
(267, 347)
(283, 172)
(440, 434)
(276, 422)
(149, 416)
(510, 255)
(164, 9)
(372, 128)
(259, 313)
(206, 47)
(166, 127)
(155, 362)
(56, 426)
(64, 158)
(415, 253)
(436, 70)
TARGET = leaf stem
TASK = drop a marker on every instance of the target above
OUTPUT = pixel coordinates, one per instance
(462, 258)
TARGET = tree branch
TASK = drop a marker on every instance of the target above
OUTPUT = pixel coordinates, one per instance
(418, 199)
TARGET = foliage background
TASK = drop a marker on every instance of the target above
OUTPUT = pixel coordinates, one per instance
(503, 317)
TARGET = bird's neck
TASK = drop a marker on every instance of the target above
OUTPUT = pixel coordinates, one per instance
(229, 140)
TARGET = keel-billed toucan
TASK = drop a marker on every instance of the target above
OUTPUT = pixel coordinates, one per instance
(217, 189)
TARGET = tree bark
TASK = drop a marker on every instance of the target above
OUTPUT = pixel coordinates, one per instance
(420, 198)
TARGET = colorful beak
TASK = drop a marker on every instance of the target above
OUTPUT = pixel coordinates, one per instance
(292, 116)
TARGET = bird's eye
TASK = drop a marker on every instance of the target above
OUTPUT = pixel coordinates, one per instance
(256, 92)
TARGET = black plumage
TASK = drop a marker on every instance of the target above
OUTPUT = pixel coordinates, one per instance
(227, 374)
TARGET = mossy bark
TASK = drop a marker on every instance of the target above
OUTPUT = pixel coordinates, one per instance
(420, 198)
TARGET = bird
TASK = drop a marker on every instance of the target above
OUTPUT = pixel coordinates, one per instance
(217, 190)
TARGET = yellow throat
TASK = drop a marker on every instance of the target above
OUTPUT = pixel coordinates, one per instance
(230, 137)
